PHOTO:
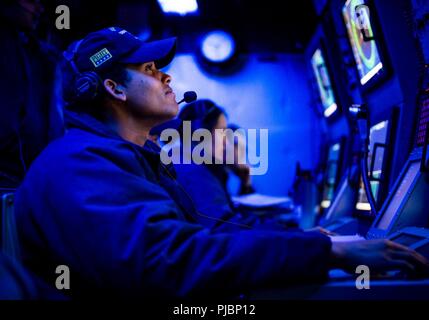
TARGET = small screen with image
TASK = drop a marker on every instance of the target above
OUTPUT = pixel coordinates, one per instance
(360, 33)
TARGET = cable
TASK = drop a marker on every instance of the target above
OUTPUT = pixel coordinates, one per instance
(190, 198)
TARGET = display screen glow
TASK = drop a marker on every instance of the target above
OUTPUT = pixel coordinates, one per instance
(331, 175)
(323, 83)
(366, 53)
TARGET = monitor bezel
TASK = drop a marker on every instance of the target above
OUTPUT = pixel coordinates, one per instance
(386, 165)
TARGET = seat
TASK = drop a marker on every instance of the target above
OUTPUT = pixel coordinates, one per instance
(10, 243)
(16, 282)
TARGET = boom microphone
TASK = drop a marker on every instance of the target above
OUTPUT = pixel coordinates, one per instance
(188, 96)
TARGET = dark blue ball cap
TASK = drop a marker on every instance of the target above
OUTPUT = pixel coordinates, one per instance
(100, 49)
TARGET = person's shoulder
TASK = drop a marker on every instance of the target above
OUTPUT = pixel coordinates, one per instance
(76, 141)
(69, 147)
(78, 154)
(79, 148)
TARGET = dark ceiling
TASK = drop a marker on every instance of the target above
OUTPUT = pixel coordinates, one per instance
(260, 25)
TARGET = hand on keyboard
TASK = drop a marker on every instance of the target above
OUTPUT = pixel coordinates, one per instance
(379, 256)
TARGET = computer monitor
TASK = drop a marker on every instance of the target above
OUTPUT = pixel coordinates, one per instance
(324, 83)
(361, 36)
(362, 203)
(384, 222)
(377, 151)
(331, 175)
(407, 203)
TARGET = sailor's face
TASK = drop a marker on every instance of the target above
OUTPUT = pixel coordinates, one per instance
(149, 93)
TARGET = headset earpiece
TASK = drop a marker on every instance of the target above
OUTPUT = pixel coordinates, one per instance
(87, 86)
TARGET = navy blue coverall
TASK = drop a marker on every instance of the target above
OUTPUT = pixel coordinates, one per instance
(117, 218)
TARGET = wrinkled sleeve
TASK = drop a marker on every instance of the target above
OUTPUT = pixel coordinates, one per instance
(103, 218)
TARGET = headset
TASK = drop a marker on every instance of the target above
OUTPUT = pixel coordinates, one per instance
(86, 85)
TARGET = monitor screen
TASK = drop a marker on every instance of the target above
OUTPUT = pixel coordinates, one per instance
(323, 83)
(357, 19)
(377, 134)
(331, 175)
(398, 197)
(362, 203)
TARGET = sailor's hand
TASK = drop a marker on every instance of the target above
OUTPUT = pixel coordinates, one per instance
(378, 255)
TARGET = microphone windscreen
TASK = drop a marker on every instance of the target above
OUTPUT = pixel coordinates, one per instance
(190, 96)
